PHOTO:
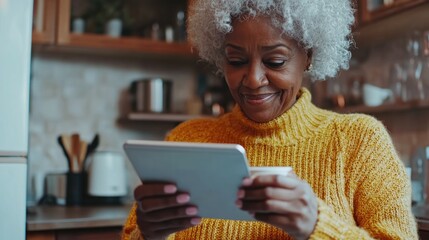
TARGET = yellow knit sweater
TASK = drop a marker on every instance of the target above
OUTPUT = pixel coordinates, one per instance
(348, 159)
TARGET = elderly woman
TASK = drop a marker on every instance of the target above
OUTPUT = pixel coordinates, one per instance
(348, 182)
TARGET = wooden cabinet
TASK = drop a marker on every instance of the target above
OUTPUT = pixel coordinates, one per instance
(56, 18)
(44, 21)
(371, 10)
(389, 21)
(81, 234)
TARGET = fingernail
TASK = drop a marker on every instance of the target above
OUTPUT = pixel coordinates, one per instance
(182, 198)
(247, 181)
(170, 189)
(239, 203)
(191, 211)
(240, 193)
(195, 221)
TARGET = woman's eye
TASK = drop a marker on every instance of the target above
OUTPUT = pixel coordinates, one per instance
(275, 64)
(236, 62)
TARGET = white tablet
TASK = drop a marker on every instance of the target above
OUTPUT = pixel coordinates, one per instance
(211, 173)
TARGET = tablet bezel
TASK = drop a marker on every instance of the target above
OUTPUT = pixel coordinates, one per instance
(211, 172)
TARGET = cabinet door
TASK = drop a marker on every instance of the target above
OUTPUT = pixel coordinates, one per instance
(90, 234)
(45, 235)
(94, 40)
(371, 10)
(44, 21)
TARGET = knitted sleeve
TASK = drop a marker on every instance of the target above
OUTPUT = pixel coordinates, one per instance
(130, 230)
(380, 187)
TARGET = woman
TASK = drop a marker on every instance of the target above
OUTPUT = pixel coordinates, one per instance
(348, 183)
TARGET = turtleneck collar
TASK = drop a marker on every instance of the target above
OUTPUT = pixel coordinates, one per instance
(301, 120)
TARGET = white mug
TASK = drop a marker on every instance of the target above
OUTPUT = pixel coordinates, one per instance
(375, 96)
(257, 171)
(78, 26)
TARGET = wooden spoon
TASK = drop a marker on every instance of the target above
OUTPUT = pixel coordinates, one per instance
(67, 143)
(75, 139)
(82, 155)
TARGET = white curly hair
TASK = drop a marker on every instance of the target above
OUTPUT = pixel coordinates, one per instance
(324, 26)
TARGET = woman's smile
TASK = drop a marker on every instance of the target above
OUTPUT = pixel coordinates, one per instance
(259, 99)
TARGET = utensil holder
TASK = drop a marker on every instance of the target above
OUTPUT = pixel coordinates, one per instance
(75, 188)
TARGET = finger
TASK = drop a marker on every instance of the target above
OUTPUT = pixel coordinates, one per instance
(275, 181)
(179, 223)
(170, 213)
(247, 182)
(157, 203)
(271, 206)
(150, 189)
(269, 193)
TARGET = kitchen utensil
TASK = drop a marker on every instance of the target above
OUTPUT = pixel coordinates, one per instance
(67, 144)
(82, 155)
(107, 175)
(75, 151)
(152, 95)
(91, 148)
(65, 151)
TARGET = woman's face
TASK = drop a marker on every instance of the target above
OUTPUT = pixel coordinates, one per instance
(263, 69)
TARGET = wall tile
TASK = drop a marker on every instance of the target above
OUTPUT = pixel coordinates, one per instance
(84, 94)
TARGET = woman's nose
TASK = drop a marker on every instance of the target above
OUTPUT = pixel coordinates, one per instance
(255, 76)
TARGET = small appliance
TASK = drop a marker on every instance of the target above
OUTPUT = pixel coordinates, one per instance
(107, 177)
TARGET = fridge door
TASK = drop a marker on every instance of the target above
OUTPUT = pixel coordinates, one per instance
(13, 185)
(15, 54)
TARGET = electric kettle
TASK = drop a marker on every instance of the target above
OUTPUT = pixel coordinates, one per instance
(107, 175)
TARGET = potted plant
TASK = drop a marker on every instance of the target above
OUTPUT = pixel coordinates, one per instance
(106, 16)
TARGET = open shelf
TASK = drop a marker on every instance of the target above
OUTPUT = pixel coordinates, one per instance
(130, 44)
(386, 10)
(392, 27)
(385, 108)
(163, 117)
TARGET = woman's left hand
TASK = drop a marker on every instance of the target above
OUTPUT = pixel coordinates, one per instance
(286, 202)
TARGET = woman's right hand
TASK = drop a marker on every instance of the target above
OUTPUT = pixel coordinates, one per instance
(163, 210)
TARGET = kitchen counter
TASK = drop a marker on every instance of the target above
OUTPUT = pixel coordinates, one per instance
(41, 218)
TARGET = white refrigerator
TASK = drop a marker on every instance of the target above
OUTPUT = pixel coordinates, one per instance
(15, 54)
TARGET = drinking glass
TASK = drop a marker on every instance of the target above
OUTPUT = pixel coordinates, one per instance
(425, 70)
(398, 82)
(413, 67)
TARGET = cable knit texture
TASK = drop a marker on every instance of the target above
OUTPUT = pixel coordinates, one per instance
(348, 159)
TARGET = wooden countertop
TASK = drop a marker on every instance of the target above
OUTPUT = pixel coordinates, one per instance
(41, 218)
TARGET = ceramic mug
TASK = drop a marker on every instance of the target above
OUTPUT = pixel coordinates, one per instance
(375, 96)
(257, 171)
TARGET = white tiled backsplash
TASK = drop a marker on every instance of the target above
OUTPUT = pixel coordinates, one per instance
(85, 94)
